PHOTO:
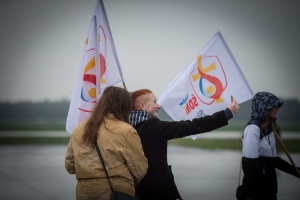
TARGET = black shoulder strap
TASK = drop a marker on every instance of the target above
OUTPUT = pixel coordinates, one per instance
(102, 162)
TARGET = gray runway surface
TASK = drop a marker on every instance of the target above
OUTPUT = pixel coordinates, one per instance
(37, 172)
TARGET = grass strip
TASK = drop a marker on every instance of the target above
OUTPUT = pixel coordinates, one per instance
(34, 140)
(230, 144)
(226, 144)
(62, 126)
(33, 127)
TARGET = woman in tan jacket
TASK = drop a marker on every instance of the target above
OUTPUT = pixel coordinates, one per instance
(119, 144)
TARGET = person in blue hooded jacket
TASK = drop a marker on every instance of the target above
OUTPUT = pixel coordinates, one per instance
(259, 159)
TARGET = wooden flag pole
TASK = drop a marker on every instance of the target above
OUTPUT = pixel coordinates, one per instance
(124, 85)
(285, 150)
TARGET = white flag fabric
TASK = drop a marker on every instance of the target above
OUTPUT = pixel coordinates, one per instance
(98, 69)
(207, 84)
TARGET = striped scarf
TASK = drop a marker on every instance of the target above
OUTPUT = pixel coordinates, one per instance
(138, 116)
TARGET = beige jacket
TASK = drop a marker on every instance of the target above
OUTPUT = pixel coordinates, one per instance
(123, 155)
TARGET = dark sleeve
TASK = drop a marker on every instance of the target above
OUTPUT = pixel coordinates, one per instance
(285, 166)
(171, 130)
(228, 113)
(253, 176)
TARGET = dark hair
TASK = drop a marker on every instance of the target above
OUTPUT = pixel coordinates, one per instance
(114, 100)
(137, 94)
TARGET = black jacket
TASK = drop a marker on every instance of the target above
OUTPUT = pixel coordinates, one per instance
(159, 181)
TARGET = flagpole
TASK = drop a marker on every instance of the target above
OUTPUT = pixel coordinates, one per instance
(124, 85)
(285, 150)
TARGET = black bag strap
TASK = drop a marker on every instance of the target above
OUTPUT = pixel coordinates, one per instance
(102, 162)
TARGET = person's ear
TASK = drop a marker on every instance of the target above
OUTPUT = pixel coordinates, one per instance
(142, 105)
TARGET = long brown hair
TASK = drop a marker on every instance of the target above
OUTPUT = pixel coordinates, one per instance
(266, 121)
(114, 100)
(136, 94)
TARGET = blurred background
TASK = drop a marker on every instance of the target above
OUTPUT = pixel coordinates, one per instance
(42, 42)
(41, 48)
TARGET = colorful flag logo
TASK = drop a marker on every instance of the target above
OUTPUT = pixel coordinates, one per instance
(99, 68)
(206, 85)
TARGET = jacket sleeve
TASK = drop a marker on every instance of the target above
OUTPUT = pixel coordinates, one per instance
(179, 129)
(69, 159)
(134, 156)
(285, 166)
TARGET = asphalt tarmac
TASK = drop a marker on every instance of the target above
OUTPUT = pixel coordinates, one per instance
(37, 172)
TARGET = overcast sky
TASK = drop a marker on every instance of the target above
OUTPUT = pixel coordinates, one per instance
(42, 41)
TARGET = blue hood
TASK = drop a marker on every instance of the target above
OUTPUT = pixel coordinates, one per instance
(262, 104)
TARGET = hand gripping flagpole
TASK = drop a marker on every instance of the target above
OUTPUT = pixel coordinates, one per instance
(285, 150)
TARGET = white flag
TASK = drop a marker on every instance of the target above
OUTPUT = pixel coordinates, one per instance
(207, 84)
(98, 69)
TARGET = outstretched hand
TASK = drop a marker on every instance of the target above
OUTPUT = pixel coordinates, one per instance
(234, 106)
